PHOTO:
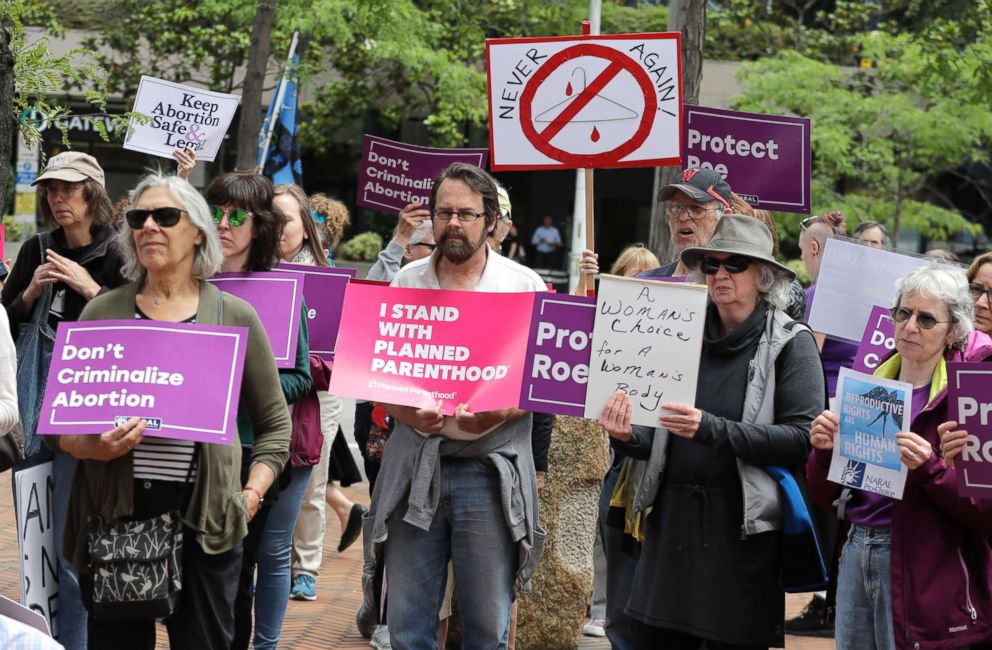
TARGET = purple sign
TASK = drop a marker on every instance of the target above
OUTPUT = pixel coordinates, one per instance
(969, 389)
(765, 158)
(277, 299)
(393, 175)
(323, 293)
(183, 379)
(877, 342)
(558, 351)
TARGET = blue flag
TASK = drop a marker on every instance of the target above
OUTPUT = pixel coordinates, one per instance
(282, 164)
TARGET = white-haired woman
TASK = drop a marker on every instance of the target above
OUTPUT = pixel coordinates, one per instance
(708, 510)
(170, 246)
(915, 572)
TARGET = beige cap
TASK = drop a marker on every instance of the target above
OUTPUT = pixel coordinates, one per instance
(72, 166)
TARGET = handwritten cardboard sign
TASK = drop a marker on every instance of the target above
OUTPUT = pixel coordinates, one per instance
(34, 489)
(647, 340)
(866, 454)
(184, 379)
(854, 279)
(585, 101)
(393, 174)
(557, 362)
(969, 393)
(416, 347)
(767, 159)
(877, 342)
(278, 300)
(323, 293)
(181, 117)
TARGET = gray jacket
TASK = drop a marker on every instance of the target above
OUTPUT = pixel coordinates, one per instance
(762, 505)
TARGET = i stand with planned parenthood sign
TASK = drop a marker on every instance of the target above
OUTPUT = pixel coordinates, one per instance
(181, 117)
(853, 279)
(969, 391)
(585, 102)
(866, 455)
(767, 159)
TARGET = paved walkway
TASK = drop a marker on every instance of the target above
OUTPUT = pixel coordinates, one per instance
(325, 624)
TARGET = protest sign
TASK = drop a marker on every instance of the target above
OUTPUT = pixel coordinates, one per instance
(765, 158)
(183, 379)
(585, 101)
(323, 292)
(181, 117)
(34, 489)
(877, 342)
(419, 346)
(557, 362)
(278, 300)
(854, 279)
(969, 390)
(646, 342)
(392, 174)
(866, 454)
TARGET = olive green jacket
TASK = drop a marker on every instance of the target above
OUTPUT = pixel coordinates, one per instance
(217, 506)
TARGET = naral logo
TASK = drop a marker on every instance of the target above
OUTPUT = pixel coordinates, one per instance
(151, 424)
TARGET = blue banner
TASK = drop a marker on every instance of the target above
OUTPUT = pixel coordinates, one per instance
(282, 164)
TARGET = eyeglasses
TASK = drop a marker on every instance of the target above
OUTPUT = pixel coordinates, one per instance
(235, 216)
(674, 210)
(733, 264)
(977, 291)
(164, 217)
(67, 189)
(464, 216)
(429, 247)
(924, 320)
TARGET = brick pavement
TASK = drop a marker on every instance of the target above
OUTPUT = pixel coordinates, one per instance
(328, 622)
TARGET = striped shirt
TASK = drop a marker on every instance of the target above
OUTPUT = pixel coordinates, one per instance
(163, 459)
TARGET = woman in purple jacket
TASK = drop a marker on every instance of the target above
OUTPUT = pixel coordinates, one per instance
(915, 573)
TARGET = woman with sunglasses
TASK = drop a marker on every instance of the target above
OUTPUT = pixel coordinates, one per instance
(57, 273)
(250, 230)
(169, 248)
(915, 572)
(709, 509)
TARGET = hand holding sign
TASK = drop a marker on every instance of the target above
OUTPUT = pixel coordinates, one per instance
(411, 217)
(684, 420)
(952, 441)
(117, 442)
(424, 420)
(616, 415)
(825, 428)
(185, 162)
(914, 450)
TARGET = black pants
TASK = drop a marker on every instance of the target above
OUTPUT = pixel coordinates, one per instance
(204, 618)
(363, 424)
(648, 637)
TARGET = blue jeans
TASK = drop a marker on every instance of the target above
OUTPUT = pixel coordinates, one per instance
(274, 557)
(72, 617)
(469, 528)
(864, 591)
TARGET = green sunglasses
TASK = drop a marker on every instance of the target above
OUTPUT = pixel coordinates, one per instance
(235, 216)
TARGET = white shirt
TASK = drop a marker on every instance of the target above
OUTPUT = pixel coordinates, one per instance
(501, 275)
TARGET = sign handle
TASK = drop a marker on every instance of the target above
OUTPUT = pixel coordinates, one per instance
(588, 279)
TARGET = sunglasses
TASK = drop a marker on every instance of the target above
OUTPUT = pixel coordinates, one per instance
(808, 221)
(164, 217)
(235, 216)
(733, 264)
(925, 321)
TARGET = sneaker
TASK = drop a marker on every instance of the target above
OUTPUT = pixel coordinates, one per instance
(815, 620)
(304, 588)
(380, 638)
(595, 627)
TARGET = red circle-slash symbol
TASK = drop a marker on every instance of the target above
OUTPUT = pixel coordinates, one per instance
(618, 62)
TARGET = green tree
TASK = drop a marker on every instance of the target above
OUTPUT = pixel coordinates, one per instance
(881, 136)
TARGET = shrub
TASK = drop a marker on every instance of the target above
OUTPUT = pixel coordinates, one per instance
(362, 248)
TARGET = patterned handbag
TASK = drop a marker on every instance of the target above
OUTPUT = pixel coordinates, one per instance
(136, 566)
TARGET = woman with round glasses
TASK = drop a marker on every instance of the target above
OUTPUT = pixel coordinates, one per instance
(709, 506)
(169, 248)
(915, 572)
(250, 229)
(57, 273)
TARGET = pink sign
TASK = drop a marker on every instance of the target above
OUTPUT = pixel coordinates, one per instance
(183, 379)
(277, 299)
(877, 342)
(323, 293)
(969, 391)
(416, 347)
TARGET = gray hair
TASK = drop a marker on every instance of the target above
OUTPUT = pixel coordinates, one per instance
(774, 284)
(949, 285)
(421, 231)
(209, 254)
